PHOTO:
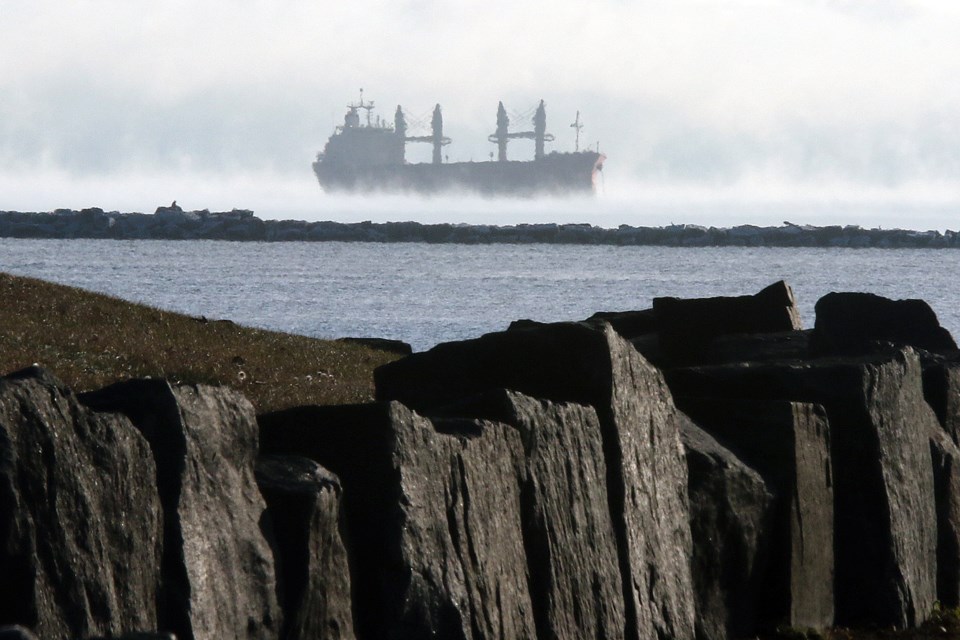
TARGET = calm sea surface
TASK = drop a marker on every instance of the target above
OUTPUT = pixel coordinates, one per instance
(425, 294)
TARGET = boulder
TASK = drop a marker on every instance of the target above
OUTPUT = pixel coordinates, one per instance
(788, 443)
(646, 472)
(218, 568)
(946, 477)
(729, 516)
(304, 503)
(80, 519)
(433, 515)
(687, 327)
(884, 510)
(852, 323)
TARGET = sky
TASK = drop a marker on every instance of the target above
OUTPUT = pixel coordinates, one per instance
(714, 113)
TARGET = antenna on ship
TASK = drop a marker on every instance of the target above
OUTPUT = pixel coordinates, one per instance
(578, 126)
(366, 106)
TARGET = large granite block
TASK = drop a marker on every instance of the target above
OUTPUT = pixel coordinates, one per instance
(688, 327)
(788, 443)
(433, 514)
(730, 513)
(854, 322)
(218, 569)
(884, 516)
(80, 519)
(646, 471)
(304, 500)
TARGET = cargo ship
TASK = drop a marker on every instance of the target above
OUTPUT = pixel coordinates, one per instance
(370, 157)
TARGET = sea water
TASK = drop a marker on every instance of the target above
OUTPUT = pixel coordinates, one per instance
(424, 294)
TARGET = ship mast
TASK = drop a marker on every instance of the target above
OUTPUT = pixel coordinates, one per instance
(539, 130)
(578, 126)
(501, 136)
(436, 138)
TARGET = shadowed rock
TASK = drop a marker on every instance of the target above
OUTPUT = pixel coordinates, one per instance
(941, 387)
(646, 472)
(433, 513)
(382, 344)
(80, 522)
(729, 514)
(16, 632)
(788, 443)
(687, 327)
(759, 347)
(217, 566)
(946, 477)
(629, 324)
(304, 503)
(852, 323)
(884, 516)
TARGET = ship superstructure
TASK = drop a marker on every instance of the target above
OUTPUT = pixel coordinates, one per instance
(370, 156)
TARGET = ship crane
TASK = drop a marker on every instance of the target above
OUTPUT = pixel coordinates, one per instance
(436, 138)
(539, 133)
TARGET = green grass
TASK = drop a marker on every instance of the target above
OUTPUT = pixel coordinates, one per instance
(89, 340)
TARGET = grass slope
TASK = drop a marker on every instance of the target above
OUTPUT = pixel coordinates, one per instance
(89, 340)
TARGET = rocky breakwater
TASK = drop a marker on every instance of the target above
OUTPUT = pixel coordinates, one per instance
(175, 223)
(701, 469)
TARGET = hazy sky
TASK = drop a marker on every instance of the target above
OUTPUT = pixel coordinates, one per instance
(710, 112)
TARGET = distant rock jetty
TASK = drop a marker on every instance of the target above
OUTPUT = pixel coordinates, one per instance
(173, 223)
(701, 470)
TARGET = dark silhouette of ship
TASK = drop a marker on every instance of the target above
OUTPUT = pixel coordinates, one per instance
(370, 157)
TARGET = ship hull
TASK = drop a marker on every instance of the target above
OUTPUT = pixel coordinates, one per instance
(554, 174)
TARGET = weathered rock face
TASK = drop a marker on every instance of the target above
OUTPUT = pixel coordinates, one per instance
(304, 503)
(218, 568)
(854, 322)
(788, 443)
(433, 511)
(569, 535)
(941, 387)
(730, 509)
(646, 472)
(571, 544)
(687, 327)
(80, 521)
(885, 519)
(946, 477)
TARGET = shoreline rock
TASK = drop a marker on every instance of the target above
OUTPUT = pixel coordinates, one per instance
(173, 223)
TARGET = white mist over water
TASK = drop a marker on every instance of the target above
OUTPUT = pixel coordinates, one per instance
(274, 196)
